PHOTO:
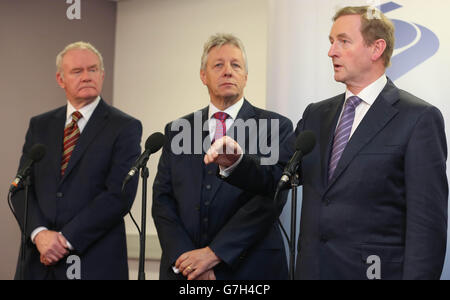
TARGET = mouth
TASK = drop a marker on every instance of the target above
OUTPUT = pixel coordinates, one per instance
(227, 84)
(337, 67)
(86, 87)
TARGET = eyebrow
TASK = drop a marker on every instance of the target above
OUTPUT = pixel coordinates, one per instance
(340, 35)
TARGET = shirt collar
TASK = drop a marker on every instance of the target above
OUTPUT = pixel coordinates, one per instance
(86, 111)
(371, 92)
(232, 111)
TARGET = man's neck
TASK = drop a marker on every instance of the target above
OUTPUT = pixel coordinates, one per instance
(223, 103)
(80, 103)
(357, 87)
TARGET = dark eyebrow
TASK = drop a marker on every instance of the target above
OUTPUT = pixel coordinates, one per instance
(343, 35)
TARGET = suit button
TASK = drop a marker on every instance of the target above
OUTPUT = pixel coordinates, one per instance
(207, 203)
(59, 195)
(205, 220)
(210, 172)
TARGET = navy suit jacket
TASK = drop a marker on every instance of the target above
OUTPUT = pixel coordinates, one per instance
(193, 208)
(388, 196)
(85, 205)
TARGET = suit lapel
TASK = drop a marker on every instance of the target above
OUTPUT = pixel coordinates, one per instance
(196, 159)
(95, 124)
(329, 119)
(380, 113)
(245, 113)
(55, 138)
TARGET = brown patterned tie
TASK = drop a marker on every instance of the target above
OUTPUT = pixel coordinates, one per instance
(71, 135)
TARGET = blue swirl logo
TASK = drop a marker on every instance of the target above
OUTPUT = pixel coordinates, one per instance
(414, 44)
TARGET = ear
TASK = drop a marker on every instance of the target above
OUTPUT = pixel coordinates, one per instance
(378, 49)
(60, 80)
(203, 76)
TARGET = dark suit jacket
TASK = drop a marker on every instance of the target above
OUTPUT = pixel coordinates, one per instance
(86, 205)
(193, 208)
(388, 196)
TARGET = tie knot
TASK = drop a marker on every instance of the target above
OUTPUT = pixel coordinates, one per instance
(221, 116)
(353, 101)
(76, 116)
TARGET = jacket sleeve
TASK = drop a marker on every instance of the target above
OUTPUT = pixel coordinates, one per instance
(110, 206)
(426, 198)
(253, 220)
(172, 235)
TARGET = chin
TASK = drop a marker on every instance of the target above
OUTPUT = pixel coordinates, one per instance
(88, 95)
(338, 78)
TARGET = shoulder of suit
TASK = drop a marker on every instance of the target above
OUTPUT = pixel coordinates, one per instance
(189, 117)
(50, 114)
(268, 114)
(327, 102)
(409, 100)
(118, 114)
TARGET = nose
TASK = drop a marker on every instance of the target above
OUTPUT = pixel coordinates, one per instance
(227, 70)
(332, 51)
(85, 76)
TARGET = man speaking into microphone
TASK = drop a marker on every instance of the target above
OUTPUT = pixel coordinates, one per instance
(75, 203)
(375, 189)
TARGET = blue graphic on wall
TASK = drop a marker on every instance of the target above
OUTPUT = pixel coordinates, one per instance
(424, 44)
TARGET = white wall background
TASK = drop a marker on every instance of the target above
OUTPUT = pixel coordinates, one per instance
(159, 44)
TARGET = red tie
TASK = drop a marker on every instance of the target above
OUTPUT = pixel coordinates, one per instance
(221, 127)
(71, 135)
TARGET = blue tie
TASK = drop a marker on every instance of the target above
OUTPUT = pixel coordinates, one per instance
(342, 134)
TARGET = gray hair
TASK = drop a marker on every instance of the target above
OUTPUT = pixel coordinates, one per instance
(77, 45)
(218, 40)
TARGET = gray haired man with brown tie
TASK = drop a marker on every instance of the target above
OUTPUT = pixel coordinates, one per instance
(76, 208)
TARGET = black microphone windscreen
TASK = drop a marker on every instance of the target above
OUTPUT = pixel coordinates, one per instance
(305, 142)
(155, 142)
(37, 152)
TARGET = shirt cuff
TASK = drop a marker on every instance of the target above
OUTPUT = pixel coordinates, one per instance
(68, 243)
(225, 172)
(36, 231)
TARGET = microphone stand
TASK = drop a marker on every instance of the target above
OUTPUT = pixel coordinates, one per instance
(144, 176)
(27, 184)
(294, 185)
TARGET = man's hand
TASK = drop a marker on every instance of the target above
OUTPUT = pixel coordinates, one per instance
(194, 263)
(224, 152)
(52, 246)
(208, 275)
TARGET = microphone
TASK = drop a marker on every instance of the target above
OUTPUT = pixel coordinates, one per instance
(304, 144)
(152, 145)
(37, 152)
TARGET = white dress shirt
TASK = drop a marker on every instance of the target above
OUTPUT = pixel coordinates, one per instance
(368, 96)
(232, 111)
(87, 112)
